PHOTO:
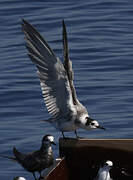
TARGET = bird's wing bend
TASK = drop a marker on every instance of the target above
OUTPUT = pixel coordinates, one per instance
(53, 77)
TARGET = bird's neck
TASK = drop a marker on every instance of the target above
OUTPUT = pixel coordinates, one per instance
(82, 119)
(46, 148)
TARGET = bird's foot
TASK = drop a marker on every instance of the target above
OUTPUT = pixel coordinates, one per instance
(78, 137)
(41, 178)
(64, 137)
(34, 176)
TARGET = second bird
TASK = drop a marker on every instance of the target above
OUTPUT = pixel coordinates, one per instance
(37, 160)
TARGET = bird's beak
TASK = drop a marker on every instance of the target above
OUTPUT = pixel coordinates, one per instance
(53, 143)
(100, 127)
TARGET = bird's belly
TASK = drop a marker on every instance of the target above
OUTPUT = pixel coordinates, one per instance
(47, 163)
(66, 126)
(104, 176)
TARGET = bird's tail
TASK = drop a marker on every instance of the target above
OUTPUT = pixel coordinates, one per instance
(19, 156)
(8, 157)
(50, 120)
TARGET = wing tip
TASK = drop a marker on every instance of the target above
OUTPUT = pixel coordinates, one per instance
(63, 22)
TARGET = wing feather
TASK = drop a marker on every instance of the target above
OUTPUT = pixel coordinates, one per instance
(53, 77)
(68, 64)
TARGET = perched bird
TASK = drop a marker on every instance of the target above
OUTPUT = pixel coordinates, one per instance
(37, 160)
(103, 173)
(19, 178)
(56, 79)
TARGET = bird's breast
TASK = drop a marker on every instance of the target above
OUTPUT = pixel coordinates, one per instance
(67, 126)
(104, 175)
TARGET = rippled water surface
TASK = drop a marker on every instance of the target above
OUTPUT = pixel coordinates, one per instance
(100, 37)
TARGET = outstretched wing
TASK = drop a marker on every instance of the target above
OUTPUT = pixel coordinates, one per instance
(68, 67)
(53, 77)
(68, 64)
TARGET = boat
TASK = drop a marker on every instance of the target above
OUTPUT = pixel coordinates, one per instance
(80, 159)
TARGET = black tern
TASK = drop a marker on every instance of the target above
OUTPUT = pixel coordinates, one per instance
(103, 173)
(37, 160)
(56, 80)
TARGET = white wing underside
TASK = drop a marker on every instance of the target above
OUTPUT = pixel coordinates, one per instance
(54, 82)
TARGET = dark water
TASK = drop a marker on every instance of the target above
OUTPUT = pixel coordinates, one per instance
(100, 36)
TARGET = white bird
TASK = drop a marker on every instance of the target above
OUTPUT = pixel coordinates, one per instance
(103, 173)
(56, 79)
(19, 178)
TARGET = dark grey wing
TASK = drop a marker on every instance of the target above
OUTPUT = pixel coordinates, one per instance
(25, 160)
(68, 67)
(68, 64)
(53, 78)
(32, 163)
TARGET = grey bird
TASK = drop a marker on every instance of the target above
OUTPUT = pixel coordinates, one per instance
(37, 160)
(103, 173)
(56, 80)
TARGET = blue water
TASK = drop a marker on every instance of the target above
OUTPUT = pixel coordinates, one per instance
(100, 34)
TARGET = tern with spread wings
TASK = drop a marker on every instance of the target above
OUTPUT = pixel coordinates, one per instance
(56, 79)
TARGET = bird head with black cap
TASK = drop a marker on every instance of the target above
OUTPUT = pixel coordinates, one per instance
(89, 123)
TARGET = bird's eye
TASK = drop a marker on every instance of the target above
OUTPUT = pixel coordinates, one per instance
(88, 121)
(92, 124)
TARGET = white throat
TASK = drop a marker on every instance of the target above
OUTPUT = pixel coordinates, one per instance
(49, 150)
(82, 118)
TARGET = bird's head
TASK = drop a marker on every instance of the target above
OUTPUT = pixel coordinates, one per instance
(19, 178)
(48, 140)
(107, 165)
(89, 123)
